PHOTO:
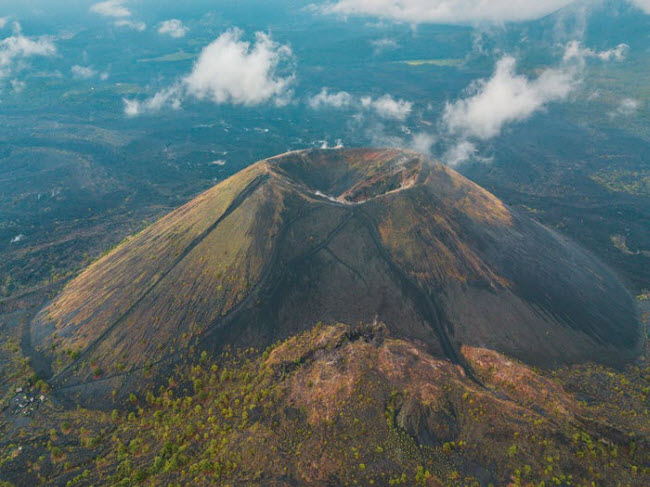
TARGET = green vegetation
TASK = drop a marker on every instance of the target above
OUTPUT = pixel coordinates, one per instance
(169, 58)
(624, 181)
(118, 89)
(350, 408)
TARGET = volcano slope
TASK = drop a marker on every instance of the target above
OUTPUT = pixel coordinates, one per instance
(344, 236)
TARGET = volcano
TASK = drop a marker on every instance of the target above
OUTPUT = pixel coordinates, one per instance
(335, 236)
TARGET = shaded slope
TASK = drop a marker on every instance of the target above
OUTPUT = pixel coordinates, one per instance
(339, 235)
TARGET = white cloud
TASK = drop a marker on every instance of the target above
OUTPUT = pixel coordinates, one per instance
(117, 10)
(379, 135)
(338, 144)
(385, 106)
(627, 107)
(17, 238)
(173, 27)
(384, 44)
(575, 51)
(3, 22)
(18, 86)
(460, 152)
(506, 97)
(131, 24)
(83, 72)
(323, 99)
(230, 70)
(18, 46)
(422, 142)
(132, 108)
(111, 8)
(169, 97)
(388, 107)
(643, 5)
(448, 11)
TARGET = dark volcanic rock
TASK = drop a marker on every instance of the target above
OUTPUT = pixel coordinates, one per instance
(335, 236)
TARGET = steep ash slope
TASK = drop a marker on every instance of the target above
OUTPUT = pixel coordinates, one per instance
(335, 236)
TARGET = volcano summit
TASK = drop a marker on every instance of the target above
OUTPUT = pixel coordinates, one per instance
(329, 236)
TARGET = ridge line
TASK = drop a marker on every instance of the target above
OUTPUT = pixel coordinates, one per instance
(235, 203)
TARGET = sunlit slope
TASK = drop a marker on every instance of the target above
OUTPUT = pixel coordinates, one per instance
(336, 235)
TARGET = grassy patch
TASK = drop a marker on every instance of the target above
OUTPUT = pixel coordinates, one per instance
(624, 181)
(169, 58)
(447, 63)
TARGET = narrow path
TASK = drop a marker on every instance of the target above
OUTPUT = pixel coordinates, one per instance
(346, 265)
(221, 322)
(429, 309)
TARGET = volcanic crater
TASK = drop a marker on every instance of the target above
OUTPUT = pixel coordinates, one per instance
(335, 236)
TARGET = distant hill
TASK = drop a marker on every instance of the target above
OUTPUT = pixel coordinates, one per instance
(334, 236)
